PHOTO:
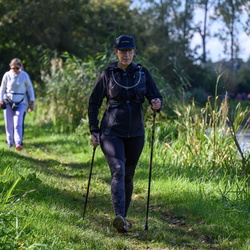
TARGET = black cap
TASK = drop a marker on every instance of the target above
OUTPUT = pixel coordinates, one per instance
(125, 42)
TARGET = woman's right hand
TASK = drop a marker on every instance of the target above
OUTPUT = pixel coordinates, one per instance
(1, 103)
(31, 106)
(95, 139)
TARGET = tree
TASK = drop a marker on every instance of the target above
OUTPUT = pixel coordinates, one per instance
(81, 27)
(166, 35)
(229, 11)
(202, 26)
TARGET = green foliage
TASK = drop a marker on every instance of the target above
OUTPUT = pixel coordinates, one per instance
(207, 140)
(10, 231)
(244, 83)
(78, 27)
(68, 84)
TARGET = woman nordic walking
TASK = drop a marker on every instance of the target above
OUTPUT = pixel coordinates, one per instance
(125, 85)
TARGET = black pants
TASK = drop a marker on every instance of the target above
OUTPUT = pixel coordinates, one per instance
(122, 155)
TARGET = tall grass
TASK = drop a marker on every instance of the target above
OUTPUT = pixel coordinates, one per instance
(206, 142)
(9, 221)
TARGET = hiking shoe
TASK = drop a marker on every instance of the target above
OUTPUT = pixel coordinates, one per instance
(19, 147)
(120, 224)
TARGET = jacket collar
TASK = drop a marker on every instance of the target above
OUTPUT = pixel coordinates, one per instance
(131, 68)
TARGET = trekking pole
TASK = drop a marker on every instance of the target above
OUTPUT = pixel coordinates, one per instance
(150, 168)
(90, 173)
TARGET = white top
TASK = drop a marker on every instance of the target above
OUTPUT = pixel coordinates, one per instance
(16, 86)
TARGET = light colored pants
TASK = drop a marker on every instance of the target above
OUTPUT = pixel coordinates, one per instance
(14, 123)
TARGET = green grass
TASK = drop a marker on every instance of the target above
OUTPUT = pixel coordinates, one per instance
(188, 209)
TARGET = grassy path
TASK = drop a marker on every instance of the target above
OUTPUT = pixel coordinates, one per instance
(46, 206)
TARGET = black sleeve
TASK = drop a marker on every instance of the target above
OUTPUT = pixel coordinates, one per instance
(95, 102)
(152, 91)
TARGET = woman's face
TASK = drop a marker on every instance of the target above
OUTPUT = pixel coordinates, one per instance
(15, 68)
(125, 57)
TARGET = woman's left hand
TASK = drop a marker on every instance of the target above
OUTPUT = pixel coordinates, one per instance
(156, 104)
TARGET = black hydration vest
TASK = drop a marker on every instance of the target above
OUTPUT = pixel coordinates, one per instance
(126, 87)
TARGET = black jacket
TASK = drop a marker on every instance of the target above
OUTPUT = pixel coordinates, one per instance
(124, 92)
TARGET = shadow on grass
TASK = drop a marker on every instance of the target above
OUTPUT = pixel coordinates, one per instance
(49, 167)
(32, 187)
(2, 129)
